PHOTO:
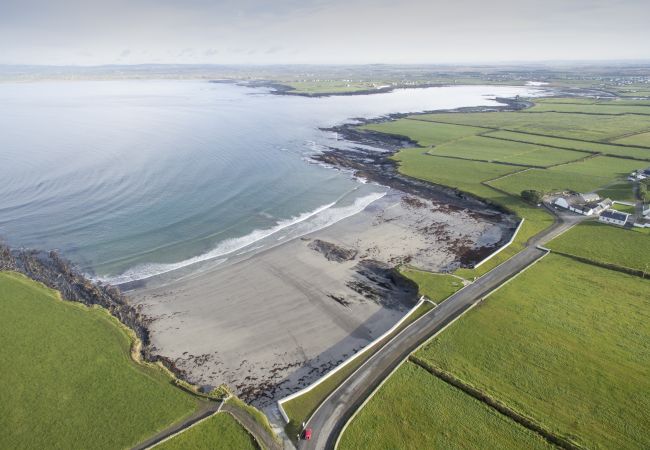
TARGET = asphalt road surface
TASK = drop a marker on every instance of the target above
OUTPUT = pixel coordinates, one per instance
(329, 419)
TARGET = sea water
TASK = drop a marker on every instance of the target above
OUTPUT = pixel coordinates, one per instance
(131, 179)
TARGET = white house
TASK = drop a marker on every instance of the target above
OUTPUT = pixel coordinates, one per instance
(585, 204)
(640, 174)
(614, 217)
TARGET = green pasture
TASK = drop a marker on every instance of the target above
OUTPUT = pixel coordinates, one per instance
(425, 134)
(416, 410)
(495, 150)
(219, 432)
(583, 176)
(68, 379)
(572, 126)
(607, 244)
(565, 343)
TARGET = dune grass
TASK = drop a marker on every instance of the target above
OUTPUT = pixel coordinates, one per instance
(565, 343)
(219, 432)
(607, 244)
(416, 410)
(68, 380)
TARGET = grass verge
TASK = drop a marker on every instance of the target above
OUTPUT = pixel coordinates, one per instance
(219, 432)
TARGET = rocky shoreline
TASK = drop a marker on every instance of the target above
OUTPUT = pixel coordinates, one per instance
(370, 159)
(59, 274)
(370, 285)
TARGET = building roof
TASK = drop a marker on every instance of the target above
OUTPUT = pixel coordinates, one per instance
(590, 197)
(615, 215)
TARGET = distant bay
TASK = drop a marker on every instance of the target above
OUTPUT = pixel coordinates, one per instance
(130, 179)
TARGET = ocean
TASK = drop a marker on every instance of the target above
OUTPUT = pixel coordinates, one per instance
(131, 179)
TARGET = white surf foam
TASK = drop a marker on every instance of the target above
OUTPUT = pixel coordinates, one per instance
(302, 224)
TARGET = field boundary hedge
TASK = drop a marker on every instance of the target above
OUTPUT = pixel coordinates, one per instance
(604, 265)
(519, 418)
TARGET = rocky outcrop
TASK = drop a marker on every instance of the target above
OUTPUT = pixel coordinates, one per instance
(57, 273)
(332, 251)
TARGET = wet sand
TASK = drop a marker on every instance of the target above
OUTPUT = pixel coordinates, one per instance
(271, 324)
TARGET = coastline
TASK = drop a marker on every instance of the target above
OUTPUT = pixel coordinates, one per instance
(277, 320)
(295, 310)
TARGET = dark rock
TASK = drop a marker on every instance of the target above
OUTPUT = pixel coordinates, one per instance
(332, 251)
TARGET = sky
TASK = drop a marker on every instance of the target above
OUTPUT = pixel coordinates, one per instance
(92, 32)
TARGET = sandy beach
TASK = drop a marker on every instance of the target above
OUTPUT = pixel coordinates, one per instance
(274, 322)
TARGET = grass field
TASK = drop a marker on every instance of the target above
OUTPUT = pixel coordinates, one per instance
(576, 126)
(435, 286)
(597, 108)
(565, 343)
(415, 410)
(607, 244)
(219, 432)
(330, 87)
(571, 144)
(68, 380)
(583, 176)
(425, 134)
(642, 139)
(463, 175)
(618, 191)
(591, 101)
(486, 149)
(624, 208)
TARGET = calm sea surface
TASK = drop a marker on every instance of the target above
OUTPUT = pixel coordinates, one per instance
(134, 178)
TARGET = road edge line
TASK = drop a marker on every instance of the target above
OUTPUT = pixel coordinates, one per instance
(480, 300)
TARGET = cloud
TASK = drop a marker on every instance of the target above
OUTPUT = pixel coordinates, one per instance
(326, 31)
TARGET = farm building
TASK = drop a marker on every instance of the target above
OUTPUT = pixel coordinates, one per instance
(614, 217)
(640, 174)
(585, 204)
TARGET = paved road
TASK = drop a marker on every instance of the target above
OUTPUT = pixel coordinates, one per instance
(332, 415)
(207, 409)
(257, 430)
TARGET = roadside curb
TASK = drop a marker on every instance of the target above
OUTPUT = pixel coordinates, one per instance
(338, 368)
(503, 247)
(477, 302)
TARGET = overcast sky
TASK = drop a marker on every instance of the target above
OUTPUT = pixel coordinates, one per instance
(317, 31)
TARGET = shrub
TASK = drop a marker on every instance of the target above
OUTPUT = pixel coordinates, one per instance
(532, 196)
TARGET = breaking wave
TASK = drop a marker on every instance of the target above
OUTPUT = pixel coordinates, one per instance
(294, 227)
